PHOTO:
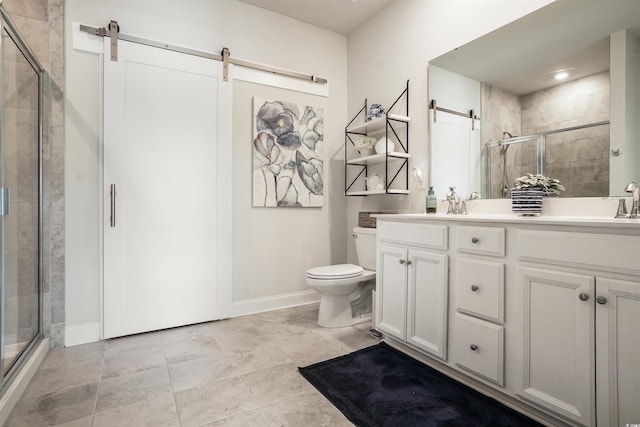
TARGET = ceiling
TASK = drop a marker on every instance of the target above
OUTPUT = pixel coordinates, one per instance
(522, 57)
(340, 16)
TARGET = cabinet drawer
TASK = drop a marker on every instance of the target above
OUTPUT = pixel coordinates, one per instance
(478, 347)
(481, 240)
(427, 235)
(618, 254)
(479, 289)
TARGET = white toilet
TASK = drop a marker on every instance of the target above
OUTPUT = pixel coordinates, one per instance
(342, 286)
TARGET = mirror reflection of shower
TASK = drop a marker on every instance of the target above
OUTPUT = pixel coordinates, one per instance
(506, 187)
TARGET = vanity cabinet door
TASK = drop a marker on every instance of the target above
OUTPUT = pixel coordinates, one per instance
(618, 351)
(427, 302)
(556, 367)
(391, 290)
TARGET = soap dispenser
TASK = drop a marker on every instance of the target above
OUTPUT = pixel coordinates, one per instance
(431, 201)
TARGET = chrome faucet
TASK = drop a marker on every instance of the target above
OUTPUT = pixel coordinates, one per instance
(634, 189)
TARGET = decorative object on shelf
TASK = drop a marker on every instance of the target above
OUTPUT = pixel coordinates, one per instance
(375, 111)
(287, 154)
(528, 191)
(365, 145)
(374, 182)
(384, 145)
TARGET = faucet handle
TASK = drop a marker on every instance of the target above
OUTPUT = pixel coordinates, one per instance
(622, 209)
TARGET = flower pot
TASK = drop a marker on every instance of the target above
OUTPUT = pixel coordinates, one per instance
(365, 152)
(384, 145)
(527, 201)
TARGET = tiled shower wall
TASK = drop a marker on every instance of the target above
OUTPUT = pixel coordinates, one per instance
(580, 159)
(41, 23)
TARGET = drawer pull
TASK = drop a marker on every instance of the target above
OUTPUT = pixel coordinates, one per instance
(408, 262)
(474, 240)
(473, 347)
(401, 261)
(583, 297)
(474, 288)
(601, 300)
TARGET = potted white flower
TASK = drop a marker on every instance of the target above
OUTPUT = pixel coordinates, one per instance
(528, 191)
(365, 145)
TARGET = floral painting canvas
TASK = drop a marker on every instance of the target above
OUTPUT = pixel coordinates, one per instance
(287, 155)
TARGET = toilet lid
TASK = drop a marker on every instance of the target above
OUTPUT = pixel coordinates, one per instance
(339, 271)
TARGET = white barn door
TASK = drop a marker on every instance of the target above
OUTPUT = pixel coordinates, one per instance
(162, 148)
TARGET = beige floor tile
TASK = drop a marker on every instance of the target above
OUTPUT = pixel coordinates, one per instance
(57, 378)
(306, 349)
(127, 362)
(158, 412)
(199, 372)
(80, 422)
(133, 342)
(65, 356)
(276, 383)
(188, 333)
(221, 399)
(197, 347)
(245, 419)
(131, 388)
(55, 408)
(311, 409)
(349, 339)
(260, 356)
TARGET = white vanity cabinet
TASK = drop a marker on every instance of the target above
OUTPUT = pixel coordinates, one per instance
(580, 343)
(411, 287)
(541, 313)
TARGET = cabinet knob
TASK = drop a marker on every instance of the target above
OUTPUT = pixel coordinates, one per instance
(473, 347)
(474, 240)
(583, 297)
(601, 300)
(408, 262)
(474, 288)
(401, 261)
(355, 236)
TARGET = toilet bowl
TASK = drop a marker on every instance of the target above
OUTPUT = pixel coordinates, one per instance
(345, 289)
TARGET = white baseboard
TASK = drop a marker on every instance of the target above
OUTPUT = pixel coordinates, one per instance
(81, 333)
(21, 381)
(259, 305)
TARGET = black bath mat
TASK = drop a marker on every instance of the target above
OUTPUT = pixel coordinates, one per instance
(381, 386)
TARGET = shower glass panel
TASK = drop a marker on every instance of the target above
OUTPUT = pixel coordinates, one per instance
(20, 137)
(507, 162)
(580, 159)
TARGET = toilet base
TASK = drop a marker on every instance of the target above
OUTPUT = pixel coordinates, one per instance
(335, 312)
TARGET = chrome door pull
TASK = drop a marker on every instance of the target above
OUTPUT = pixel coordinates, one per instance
(583, 297)
(473, 347)
(474, 240)
(474, 288)
(401, 261)
(408, 262)
(601, 300)
(112, 218)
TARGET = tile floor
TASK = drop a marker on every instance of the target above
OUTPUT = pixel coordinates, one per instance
(235, 372)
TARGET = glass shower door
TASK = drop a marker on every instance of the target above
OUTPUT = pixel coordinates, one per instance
(20, 182)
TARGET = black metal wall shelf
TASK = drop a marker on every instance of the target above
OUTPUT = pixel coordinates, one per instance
(392, 126)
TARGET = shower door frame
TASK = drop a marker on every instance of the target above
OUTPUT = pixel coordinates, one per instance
(7, 375)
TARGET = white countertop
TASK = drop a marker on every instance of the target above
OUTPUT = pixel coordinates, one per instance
(585, 221)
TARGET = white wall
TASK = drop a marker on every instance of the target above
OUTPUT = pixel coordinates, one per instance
(312, 236)
(396, 45)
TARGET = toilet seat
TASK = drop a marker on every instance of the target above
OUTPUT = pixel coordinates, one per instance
(333, 272)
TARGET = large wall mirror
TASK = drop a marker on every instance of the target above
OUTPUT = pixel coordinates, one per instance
(555, 92)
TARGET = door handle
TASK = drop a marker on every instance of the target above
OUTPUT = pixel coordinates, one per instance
(112, 196)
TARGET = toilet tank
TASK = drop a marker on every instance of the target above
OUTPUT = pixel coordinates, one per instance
(366, 247)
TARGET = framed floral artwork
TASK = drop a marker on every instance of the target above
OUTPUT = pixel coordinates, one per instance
(287, 155)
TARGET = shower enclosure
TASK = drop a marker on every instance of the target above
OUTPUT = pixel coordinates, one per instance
(578, 156)
(20, 201)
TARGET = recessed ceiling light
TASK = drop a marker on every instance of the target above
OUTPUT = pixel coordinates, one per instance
(561, 75)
